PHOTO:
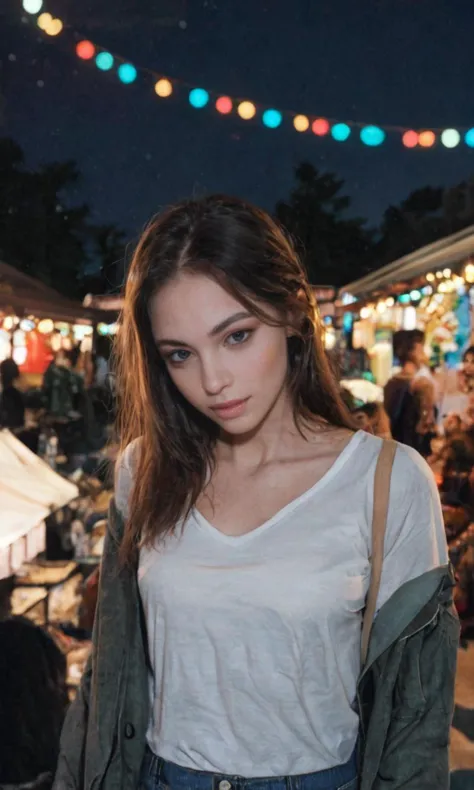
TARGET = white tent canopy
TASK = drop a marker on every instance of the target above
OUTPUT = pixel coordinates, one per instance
(29, 491)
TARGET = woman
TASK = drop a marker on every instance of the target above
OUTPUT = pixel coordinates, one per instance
(227, 635)
(409, 396)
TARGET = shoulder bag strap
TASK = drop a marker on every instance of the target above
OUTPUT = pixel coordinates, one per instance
(383, 473)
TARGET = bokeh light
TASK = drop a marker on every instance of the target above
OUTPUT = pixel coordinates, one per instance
(450, 138)
(301, 123)
(372, 135)
(85, 50)
(224, 105)
(272, 118)
(32, 6)
(104, 61)
(427, 139)
(469, 138)
(320, 127)
(44, 20)
(410, 139)
(340, 132)
(246, 110)
(198, 98)
(54, 28)
(127, 73)
(163, 88)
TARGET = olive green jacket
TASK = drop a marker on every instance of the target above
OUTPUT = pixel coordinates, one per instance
(405, 692)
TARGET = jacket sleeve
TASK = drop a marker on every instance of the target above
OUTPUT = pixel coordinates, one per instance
(70, 769)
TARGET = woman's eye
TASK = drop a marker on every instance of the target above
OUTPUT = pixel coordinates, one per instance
(239, 337)
(178, 356)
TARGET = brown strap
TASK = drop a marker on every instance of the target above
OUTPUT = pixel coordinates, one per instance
(383, 473)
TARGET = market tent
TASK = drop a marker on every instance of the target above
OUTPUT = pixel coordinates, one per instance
(29, 491)
(447, 252)
(24, 295)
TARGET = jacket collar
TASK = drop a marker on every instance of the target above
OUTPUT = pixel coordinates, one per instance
(410, 608)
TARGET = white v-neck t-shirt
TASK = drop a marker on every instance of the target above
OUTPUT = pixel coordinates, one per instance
(254, 641)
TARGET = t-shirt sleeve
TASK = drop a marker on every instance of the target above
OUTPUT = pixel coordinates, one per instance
(415, 540)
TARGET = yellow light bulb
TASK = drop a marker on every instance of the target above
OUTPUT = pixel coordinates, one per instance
(301, 123)
(44, 20)
(163, 88)
(246, 110)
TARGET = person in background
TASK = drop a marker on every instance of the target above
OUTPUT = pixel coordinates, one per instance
(409, 398)
(466, 375)
(372, 417)
(12, 404)
(452, 425)
(33, 702)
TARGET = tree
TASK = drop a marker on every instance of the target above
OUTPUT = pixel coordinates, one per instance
(334, 247)
(41, 232)
(109, 250)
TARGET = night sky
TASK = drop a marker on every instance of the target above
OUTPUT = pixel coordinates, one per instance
(402, 62)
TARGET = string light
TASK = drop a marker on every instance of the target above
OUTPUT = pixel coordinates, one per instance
(341, 132)
(372, 136)
(163, 88)
(246, 110)
(427, 139)
(450, 138)
(32, 6)
(320, 127)
(469, 273)
(301, 123)
(224, 105)
(198, 98)
(430, 277)
(272, 119)
(104, 61)
(127, 73)
(85, 50)
(410, 139)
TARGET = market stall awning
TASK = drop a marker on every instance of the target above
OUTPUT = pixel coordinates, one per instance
(24, 295)
(447, 252)
(29, 491)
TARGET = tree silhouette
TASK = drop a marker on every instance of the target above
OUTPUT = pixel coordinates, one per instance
(334, 248)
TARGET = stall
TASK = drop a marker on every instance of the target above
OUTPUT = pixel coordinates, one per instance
(36, 321)
(430, 289)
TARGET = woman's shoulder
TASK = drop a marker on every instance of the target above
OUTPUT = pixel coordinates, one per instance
(410, 470)
(125, 469)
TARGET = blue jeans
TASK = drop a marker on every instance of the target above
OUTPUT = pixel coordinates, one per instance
(157, 774)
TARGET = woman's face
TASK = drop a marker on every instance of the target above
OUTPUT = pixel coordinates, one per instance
(217, 353)
(469, 365)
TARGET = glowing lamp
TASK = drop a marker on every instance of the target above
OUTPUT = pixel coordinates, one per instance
(26, 325)
(381, 307)
(340, 132)
(44, 20)
(447, 273)
(46, 326)
(246, 110)
(390, 301)
(450, 138)
(468, 273)
(320, 127)
(224, 105)
(85, 50)
(404, 298)
(54, 28)
(410, 139)
(427, 139)
(430, 277)
(301, 123)
(415, 296)
(469, 138)
(272, 119)
(127, 73)
(365, 313)
(372, 136)
(32, 6)
(104, 61)
(163, 88)
(198, 98)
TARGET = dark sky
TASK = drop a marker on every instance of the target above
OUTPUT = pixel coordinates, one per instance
(403, 62)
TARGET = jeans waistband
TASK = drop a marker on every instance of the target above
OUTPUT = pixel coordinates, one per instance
(178, 778)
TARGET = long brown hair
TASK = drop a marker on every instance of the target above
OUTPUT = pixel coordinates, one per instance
(250, 256)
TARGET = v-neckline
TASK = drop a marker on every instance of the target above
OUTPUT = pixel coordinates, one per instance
(333, 470)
